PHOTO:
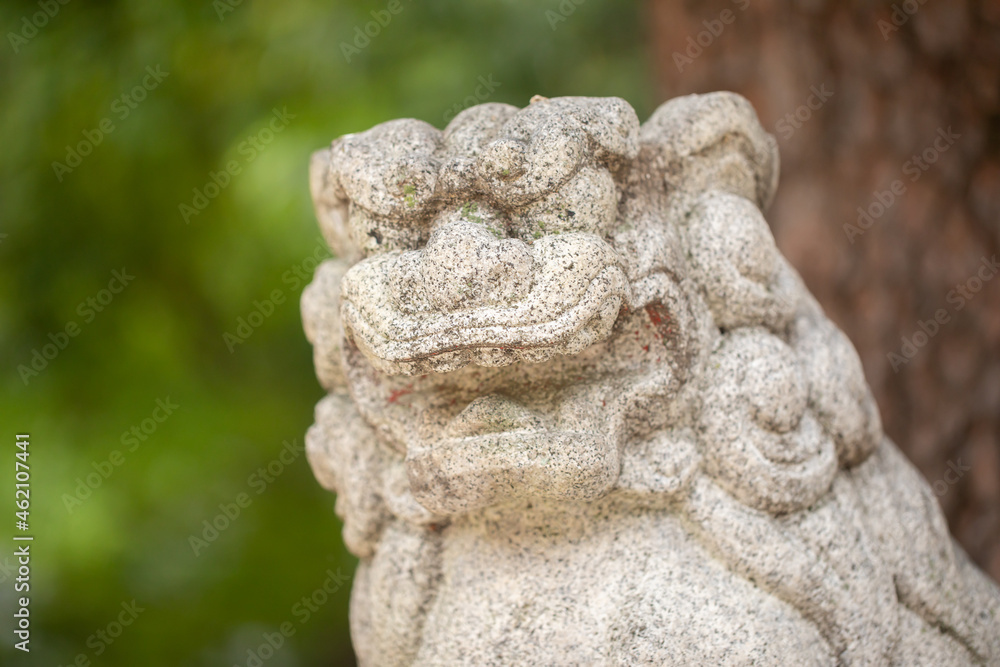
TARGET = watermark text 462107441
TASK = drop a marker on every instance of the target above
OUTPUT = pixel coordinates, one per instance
(22, 542)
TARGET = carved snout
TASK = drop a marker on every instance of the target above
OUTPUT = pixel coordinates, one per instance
(474, 297)
(465, 264)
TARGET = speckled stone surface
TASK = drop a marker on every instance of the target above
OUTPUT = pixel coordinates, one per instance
(581, 411)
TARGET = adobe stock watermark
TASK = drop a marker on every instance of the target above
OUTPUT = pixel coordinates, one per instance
(914, 168)
(87, 309)
(363, 36)
(713, 29)
(302, 611)
(249, 148)
(121, 107)
(104, 637)
(795, 119)
(901, 13)
(951, 476)
(295, 277)
(31, 26)
(482, 93)
(566, 9)
(957, 298)
(258, 481)
(131, 440)
(223, 7)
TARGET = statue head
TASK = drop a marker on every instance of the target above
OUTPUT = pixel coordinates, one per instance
(527, 300)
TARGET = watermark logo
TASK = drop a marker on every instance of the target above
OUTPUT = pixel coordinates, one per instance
(950, 478)
(957, 298)
(223, 7)
(363, 36)
(131, 440)
(914, 168)
(59, 340)
(30, 27)
(899, 17)
(122, 107)
(713, 29)
(250, 148)
(295, 277)
(258, 481)
(795, 119)
(302, 611)
(482, 93)
(104, 637)
(566, 9)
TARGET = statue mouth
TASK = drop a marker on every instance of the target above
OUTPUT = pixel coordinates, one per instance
(576, 291)
(458, 475)
(499, 448)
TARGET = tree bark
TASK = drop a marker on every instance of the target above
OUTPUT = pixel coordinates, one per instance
(887, 120)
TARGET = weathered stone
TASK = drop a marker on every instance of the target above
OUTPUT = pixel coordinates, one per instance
(582, 411)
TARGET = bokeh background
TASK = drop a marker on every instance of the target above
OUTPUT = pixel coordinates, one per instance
(229, 65)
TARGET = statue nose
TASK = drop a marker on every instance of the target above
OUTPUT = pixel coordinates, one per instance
(467, 264)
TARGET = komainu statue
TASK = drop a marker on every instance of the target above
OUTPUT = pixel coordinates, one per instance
(581, 411)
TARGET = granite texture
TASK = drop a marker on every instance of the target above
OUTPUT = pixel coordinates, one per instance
(581, 411)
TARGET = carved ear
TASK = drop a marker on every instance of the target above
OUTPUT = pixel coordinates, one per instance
(473, 128)
(385, 176)
(611, 125)
(545, 144)
(713, 141)
(389, 170)
(320, 305)
(331, 205)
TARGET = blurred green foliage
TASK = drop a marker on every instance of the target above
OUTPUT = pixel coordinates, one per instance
(162, 336)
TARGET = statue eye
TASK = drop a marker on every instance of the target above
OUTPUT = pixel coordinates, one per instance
(375, 234)
(588, 202)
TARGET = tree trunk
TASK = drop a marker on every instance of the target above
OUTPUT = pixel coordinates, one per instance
(887, 120)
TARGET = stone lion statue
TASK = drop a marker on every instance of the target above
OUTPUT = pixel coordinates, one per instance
(581, 411)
